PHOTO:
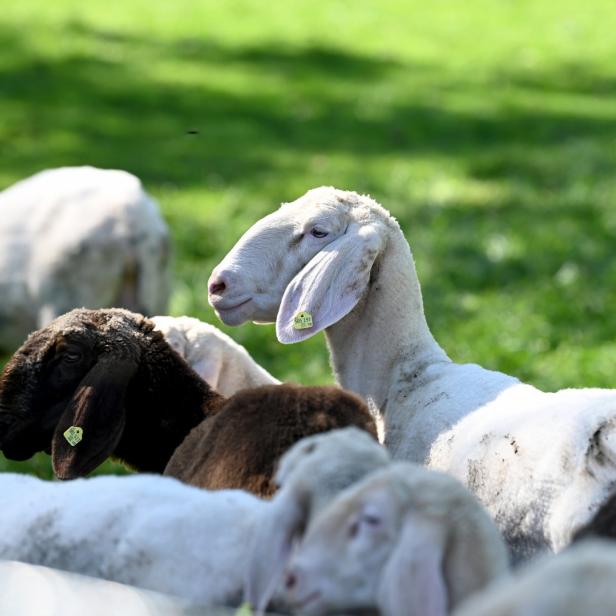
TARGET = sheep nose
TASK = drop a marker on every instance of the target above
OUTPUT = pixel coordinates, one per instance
(217, 283)
(290, 580)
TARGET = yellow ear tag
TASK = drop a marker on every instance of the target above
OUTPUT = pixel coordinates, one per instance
(302, 320)
(244, 610)
(73, 435)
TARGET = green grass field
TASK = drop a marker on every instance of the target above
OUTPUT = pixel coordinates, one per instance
(487, 127)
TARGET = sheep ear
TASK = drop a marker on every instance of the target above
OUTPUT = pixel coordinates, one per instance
(412, 583)
(330, 285)
(282, 523)
(93, 421)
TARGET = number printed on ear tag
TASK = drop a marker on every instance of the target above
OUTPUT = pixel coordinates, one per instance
(302, 320)
(73, 435)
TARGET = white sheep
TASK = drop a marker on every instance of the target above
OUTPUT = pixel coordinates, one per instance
(309, 476)
(406, 540)
(31, 590)
(157, 533)
(579, 580)
(541, 463)
(78, 236)
(215, 357)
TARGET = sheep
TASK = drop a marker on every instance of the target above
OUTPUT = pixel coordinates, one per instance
(110, 375)
(406, 540)
(157, 533)
(239, 446)
(78, 236)
(30, 589)
(332, 260)
(144, 530)
(579, 580)
(310, 474)
(215, 357)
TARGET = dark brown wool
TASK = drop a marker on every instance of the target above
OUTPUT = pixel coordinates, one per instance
(240, 447)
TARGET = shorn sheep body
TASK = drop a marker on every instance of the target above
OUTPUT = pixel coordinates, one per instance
(578, 581)
(405, 540)
(157, 533)
(541, 463)
(110, 374)
(78, 236)
(215, 357)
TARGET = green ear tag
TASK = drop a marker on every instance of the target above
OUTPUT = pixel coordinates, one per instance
(302, 320)
(73, 435)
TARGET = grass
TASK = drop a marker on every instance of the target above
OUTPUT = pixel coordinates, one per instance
(488, 128)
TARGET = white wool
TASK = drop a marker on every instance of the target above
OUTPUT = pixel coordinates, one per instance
(78, 236)
(578, 581)
(148, 531)
(28, 590)
(223, 363)
(405, 540)
(541, 463)
(157, 533)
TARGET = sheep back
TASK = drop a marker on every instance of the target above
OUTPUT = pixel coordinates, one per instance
(240, 446)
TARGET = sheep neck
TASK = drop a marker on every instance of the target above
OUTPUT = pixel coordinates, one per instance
(386, 328)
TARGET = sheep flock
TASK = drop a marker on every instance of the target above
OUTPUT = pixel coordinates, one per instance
(416, 486)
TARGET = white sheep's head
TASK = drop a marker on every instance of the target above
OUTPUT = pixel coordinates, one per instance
(406, 541)
(310, 474)
(313, 255)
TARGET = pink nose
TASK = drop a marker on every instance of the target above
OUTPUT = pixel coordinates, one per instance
(217, 284)
(217, 287)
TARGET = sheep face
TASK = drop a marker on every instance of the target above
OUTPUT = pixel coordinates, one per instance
(313, 255)
(54, 381)
(35, 388)
(339, 563)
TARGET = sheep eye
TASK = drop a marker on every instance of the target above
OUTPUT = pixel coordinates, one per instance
(72, 356)
(318, 233)
(370, 520)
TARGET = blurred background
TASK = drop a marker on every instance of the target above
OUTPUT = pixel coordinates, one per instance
(488, 128)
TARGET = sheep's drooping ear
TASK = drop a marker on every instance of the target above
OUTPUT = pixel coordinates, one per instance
(92, 423)
(282, 523)
(330, 285)
(412, 583)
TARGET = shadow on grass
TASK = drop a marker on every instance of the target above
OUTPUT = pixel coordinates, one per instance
(105, 110)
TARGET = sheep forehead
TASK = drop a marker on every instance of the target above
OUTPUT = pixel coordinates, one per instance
(330, 200)
(327, 453)
(123, 324)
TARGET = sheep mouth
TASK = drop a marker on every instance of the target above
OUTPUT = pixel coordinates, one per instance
(308, 601)
(231, 314)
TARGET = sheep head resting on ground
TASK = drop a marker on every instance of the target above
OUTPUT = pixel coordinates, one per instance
(309, 475)
(405, 540)
(84, 370)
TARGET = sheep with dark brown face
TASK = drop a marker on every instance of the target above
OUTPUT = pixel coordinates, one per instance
(109, 374)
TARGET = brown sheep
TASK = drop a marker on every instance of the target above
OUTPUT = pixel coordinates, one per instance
(258, 425)
(110, 374)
